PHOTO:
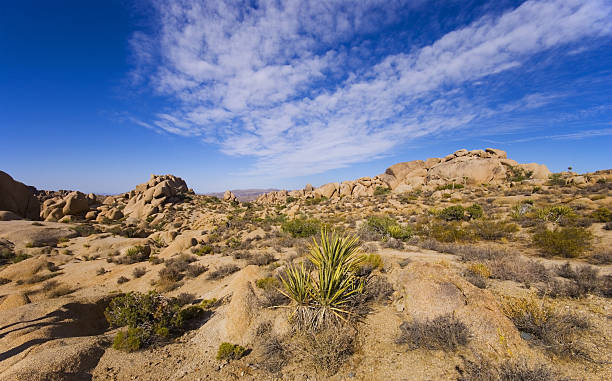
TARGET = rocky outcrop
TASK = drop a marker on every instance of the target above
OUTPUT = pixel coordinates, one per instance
(75, 204)
(18, 198)
(489, 166)
(229, 196)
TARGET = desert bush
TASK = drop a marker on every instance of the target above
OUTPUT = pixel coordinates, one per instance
(101, 271)
(261, 259)
(4, 281)
(444, 332)
(452, 213)
(223, 271)
(381, 191)
(602, 214)
(272, 297)
(581, 280)
(326, 349)
(474, 211)
(447, 232)
(384, 227)
(301, 227)
(194, 270)
(378, 289)
(370, 262)
(557, 332)
(149, 317)
(321, 301)
(518, 269)
(482, 369)
(228, 351)
(451, 186)
(203, 250)
(491, 230)
(517, 174)
(267, 283)
(122, 280)
(600, 257)
(138, 272)
(567, 242)
(556, 179)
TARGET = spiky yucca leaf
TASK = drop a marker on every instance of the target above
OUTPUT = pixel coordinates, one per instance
(297, 284)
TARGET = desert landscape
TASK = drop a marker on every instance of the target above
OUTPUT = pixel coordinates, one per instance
(467, 267)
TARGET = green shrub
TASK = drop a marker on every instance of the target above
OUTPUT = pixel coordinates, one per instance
(556, 179)
(137, 254)
(474, 211)
(228, 351)
(372, 261)
(131, 340)
(380, 191)
(267, 283)
(448, 232)
(449, 186)
(301, 227)
(147, 316)
(386, 226)
(518, 174)
(567, 242)
(452, 213)
(205, 249)
(493, 230)
(602, 214)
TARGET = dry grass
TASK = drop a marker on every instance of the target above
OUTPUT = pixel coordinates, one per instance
(444, 332)
(222, 271)
(325, 350)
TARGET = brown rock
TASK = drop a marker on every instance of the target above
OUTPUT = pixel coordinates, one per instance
(18, 198)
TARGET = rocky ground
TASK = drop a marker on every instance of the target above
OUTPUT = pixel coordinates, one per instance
(478, 268)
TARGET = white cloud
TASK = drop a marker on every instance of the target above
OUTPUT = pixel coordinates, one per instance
(272, 82)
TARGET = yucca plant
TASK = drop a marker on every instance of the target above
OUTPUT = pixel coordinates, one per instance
(323, 300)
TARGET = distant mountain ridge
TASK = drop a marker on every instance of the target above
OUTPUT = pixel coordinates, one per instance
(245, 194)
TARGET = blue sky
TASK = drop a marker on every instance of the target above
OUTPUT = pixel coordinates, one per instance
(97, 95)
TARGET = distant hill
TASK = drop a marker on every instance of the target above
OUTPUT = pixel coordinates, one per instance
(245, 194)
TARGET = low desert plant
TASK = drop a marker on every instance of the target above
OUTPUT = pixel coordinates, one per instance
(452, 213)
(381, 191)
(474, 211)
(228, 351)
(223, 271)
(555, 331)
(451, 186)
(567, 242)
(122, 280)
(204, 249)
(138, 272)
(301, 227)
(149, 317)
(261, 259)
(444, 332)
(325, 350)
(602, 214)
(384, 227)
(493, 230)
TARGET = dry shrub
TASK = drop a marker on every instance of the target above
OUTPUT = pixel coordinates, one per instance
(274, 353)
(493, 230)
(518, 269)
(326, 349)
(481, 369)
(580, 281)
(378, 289)
(444, 332)
(194, 270)
(223, 271)
(138, 272)
(557, 332)
(600, 257)
(569, 242)
(261, 259)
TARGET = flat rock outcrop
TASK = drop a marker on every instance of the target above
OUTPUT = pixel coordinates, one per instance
(18, 198)
(490, 166)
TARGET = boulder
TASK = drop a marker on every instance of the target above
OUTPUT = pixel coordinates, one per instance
(328, 190)
(76, 204)
(18, 198)
(497, 152)
(471, 170)
(229, 196)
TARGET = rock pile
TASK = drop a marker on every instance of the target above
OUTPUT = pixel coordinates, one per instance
(146, 200)
(490, 166)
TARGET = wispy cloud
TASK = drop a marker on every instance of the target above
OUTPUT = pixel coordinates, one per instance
(278, 82)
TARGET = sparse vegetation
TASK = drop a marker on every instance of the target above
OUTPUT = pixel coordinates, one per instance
(444, 332)
(569, 242)
(301, 227)
(223, 271)
(228, 351)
